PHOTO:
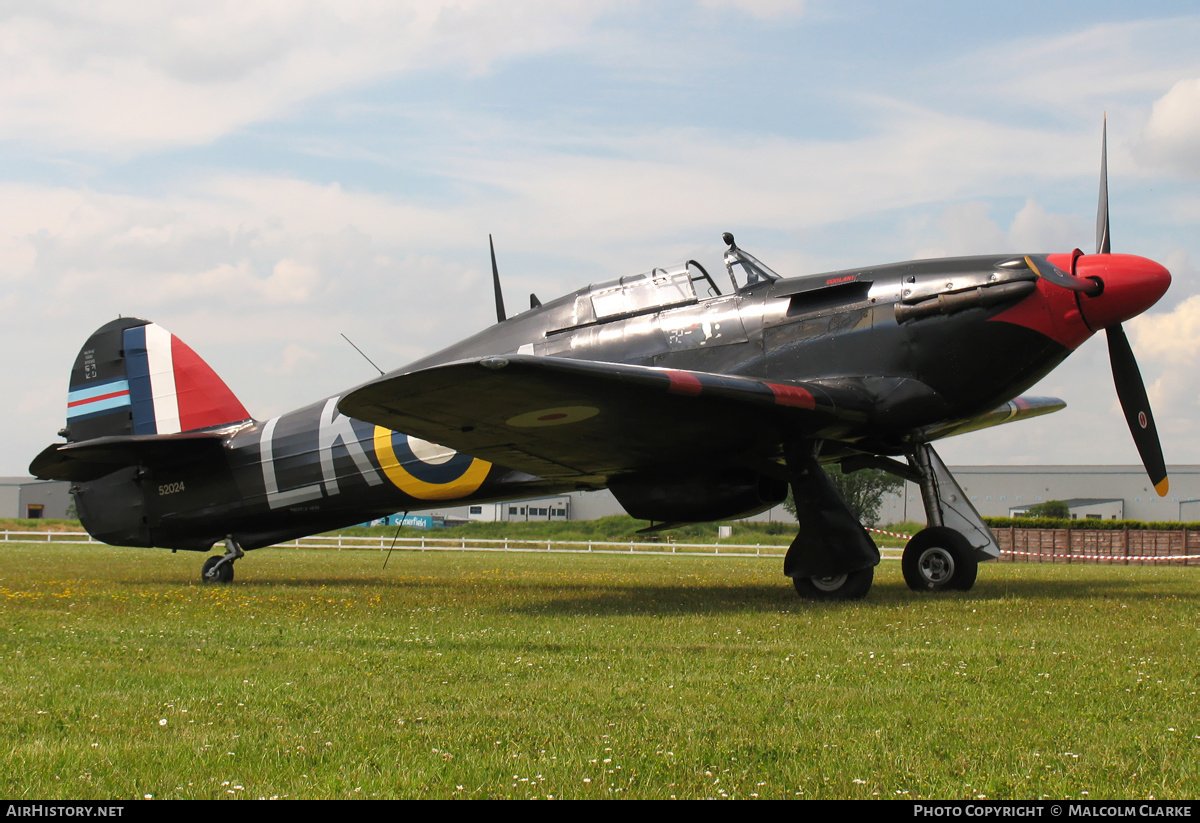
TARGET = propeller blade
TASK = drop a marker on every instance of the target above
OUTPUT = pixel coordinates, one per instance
(1103, 242)
(1132, 393)
(496, 283)
(1046, 270)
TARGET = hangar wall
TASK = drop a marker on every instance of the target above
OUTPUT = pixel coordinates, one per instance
(996, 490)
(22, 496)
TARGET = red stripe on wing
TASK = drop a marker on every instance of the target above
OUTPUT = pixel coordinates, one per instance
(684, 383)
(792, 396)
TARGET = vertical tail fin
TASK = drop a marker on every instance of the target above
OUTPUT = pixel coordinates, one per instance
(135, 377)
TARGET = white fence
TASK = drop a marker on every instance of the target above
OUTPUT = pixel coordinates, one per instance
(47, 537)
(432, 543)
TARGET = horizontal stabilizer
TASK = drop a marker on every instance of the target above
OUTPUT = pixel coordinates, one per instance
(80, 462)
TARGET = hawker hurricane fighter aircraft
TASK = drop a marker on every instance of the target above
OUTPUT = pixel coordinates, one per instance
(691, 400)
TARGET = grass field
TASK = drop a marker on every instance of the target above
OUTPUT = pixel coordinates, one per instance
(320, 674)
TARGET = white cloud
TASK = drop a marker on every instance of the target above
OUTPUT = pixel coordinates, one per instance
(762, 9)
(1167, 345)
(1173, 337)
(643, 185)
(1079, 73)
(1184, 280)
(1171, 137)
(291, 282)
(297, 359)
(967, 228)
(1037, 229)
(131, 76)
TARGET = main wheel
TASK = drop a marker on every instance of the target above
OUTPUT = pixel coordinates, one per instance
(850, 586)
(939, 559)
(210, 573)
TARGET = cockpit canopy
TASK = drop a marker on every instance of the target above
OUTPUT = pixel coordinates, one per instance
(663, 288)
(636, 294)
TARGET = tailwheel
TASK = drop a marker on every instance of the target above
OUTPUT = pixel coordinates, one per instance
(939, 559)
(849, 586)
(214, 571)
(220, 569)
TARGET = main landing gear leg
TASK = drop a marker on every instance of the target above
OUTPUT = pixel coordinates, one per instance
(220, 569)
(946, 555)
(833, 557)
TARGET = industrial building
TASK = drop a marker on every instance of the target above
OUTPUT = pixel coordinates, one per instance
(1105, 492)
(26, 497)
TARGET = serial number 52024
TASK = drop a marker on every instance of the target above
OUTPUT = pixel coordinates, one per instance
(170, 488)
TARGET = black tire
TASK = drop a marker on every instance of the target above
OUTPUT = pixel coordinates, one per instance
(224, 574)
(939, 559)
(851, 586)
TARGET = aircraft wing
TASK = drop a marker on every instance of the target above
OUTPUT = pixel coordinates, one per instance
(558, 417)
(1020, 408)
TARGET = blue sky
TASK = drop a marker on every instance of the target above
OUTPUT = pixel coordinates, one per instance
(260, 177)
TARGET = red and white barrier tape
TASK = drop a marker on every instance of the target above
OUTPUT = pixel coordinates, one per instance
(1140, 558)
(890, 534)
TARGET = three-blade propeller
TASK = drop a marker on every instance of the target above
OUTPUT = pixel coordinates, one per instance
(1131, 391)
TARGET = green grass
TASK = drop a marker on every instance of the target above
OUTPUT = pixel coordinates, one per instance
(321, 674)
(616, 528)
(622, 528)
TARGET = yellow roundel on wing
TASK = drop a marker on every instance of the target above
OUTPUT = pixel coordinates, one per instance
(425, 470)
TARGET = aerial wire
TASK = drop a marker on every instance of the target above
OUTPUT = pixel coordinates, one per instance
(395, 536)
(360, 351)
